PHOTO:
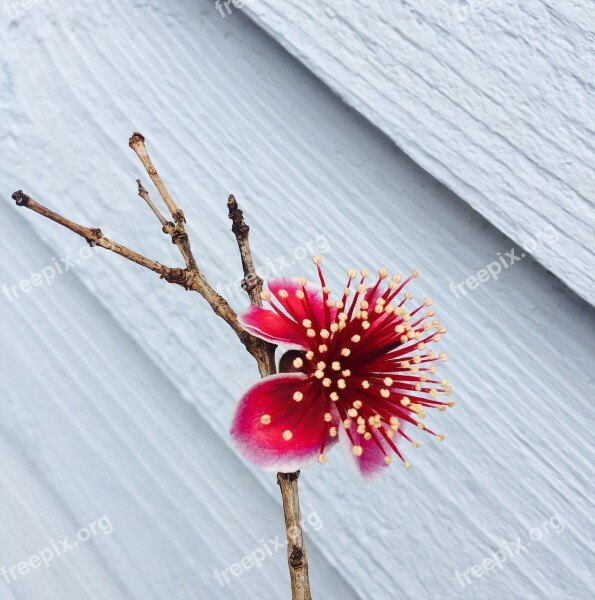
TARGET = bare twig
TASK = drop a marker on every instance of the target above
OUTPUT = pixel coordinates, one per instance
(142, 192)
(296, 550)
(192, 279)
(288, 482)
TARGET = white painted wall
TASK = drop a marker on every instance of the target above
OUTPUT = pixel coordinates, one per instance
(131, 420)
(493, 97)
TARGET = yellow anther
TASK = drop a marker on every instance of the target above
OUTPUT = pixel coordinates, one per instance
(440, 437)
(388, 460)
(405, 401)
(390, 433)
(334, 327)
(417, 359)
(346, 373)
(361, 288)
(339, 304)
(322, 348)
(346, 292)
(421, 425)
(352, 413)
(433, 393)
(265, 295)
(309, 355)
(345, 352)
(299, 294)
(301, 280)
(365, 325)
(328, 417)
(357, 404)
(311, 333)
(352, 273)
(407, 464)
(356, 338)
(347, 423)
(287, 435)
(415, 444)
(436, 337)
(382, 273)
(385, 393)
(394, 423)
(326, 382)
(443, 357)
(333, 432)
(364, 305)
(428, 301)
(358, 450)
(322, 459)
(316, 260)
(334, 396)
(341, 384)
(414, 274)
(298, 396)
(321, 365)
(388, 381)
(325, 334)
(265, 419)
(367, 435)
(319, 374)
(451, 403)
(361, 429)
(336, 366)
(396, 278)
(365, 384)
(283, 293)
(298, 362)
(307, 323)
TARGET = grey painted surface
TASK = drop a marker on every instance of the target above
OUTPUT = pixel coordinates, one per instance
(137, 429)
(493, 97)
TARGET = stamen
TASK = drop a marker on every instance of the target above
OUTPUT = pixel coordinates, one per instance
(265, 419)
(287, 435)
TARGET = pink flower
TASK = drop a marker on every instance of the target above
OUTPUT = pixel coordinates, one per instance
(361, 373)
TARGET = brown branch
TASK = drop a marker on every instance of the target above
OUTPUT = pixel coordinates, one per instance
(296, 550)
(142, 192)
(288, 482)
(189, 279)
(192, 279)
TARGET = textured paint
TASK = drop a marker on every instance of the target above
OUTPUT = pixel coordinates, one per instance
(132, 419)
(493, 97)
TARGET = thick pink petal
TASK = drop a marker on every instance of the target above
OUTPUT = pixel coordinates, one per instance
(270, 326)
(372, 461)
(310, 307)
(272, 400)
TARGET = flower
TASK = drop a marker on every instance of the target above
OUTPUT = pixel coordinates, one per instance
(361, 372)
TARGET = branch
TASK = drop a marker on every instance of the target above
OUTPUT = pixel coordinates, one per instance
(288, 482)
(191, 278)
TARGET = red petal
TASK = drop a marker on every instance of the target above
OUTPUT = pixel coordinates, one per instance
(310, 307)
(372, 461)
(270, 326)
(264, 444)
